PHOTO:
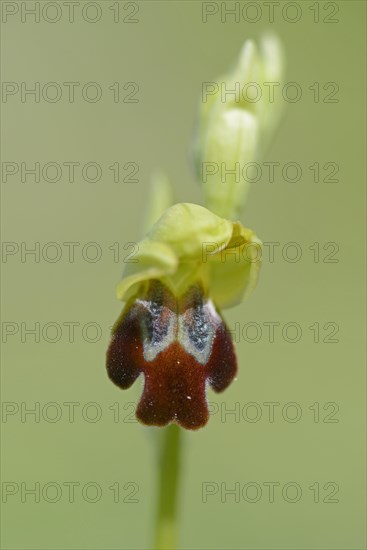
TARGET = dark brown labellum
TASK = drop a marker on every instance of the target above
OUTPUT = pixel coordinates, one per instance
(179, 345)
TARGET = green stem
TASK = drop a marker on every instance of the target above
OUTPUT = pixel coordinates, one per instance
(169, 467)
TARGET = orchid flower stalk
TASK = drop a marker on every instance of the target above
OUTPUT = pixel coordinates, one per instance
(193, 262)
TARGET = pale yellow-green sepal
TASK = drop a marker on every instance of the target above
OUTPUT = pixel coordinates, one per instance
(190, 244)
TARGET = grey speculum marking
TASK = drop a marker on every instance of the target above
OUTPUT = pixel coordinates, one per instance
(199, 329)
(189, 320)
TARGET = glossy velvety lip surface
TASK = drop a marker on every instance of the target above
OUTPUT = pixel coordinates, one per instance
(179, 344)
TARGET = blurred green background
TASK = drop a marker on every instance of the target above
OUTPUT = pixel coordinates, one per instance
(170, 52)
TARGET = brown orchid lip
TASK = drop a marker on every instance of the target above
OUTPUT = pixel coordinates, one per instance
(179, 345)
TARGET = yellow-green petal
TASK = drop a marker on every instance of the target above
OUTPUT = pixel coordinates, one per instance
(234, 273)
(153, 260)
(190, 244)
(185, 227)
